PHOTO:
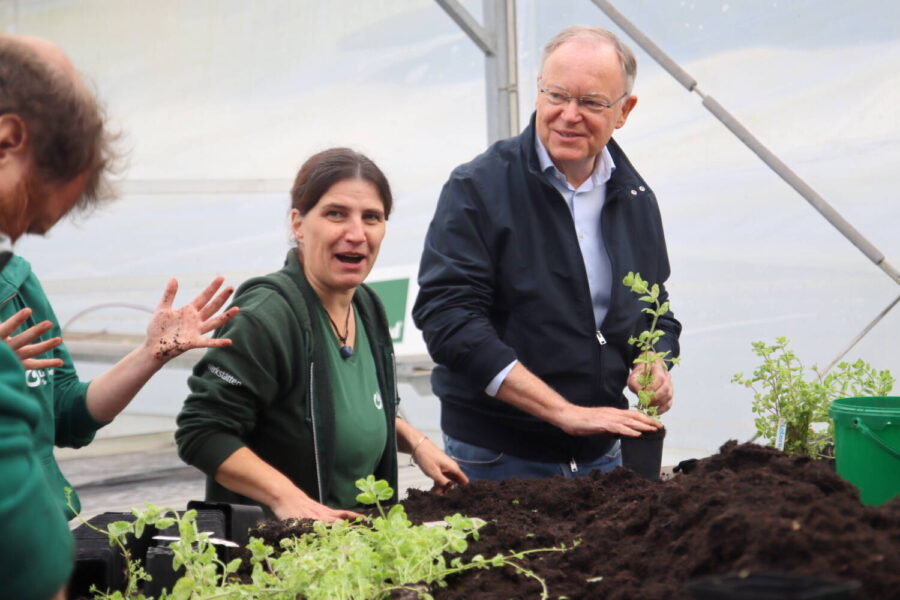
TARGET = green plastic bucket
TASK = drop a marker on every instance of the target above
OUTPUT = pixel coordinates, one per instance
(867, 445)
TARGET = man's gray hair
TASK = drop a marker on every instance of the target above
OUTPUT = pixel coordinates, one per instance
(582, 32)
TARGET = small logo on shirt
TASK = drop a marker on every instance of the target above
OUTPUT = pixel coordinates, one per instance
(224, 375)
(377, 399)
(37, 377)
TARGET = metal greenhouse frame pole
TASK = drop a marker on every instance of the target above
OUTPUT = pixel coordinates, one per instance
(497, 39)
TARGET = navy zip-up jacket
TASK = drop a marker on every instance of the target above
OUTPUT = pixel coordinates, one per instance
(502, 278)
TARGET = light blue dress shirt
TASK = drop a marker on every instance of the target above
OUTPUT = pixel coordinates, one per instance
(585, 204)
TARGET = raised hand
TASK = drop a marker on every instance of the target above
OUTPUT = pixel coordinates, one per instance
(172, 332)
(22, 343)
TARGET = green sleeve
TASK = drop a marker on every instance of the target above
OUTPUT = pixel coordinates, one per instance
(229, 386)
(75, 427)
(36, 557)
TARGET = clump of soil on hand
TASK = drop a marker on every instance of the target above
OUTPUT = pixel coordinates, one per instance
(271, 531)
(746, 508)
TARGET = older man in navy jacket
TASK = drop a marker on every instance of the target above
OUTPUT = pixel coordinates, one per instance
(520, 298)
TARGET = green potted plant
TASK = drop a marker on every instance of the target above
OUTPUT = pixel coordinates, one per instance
(791, 409)
(643, 454)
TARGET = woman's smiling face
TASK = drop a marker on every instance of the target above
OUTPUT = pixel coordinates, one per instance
(340, 236)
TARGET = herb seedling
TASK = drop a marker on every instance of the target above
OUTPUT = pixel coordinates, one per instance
(792, 412)
(646, 341)
(117, 532)
(344, 560)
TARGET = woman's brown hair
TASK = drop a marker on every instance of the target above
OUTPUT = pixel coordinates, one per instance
(323, 170)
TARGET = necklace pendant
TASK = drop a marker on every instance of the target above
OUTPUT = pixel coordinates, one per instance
(346, 352)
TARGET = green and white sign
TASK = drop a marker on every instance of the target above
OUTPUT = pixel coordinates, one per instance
(393, 293)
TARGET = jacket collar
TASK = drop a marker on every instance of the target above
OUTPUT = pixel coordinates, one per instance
(599, 176)
(14, 274)
(294, 270)
(624, 175)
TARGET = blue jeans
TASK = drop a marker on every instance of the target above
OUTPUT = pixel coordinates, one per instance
(482, 463)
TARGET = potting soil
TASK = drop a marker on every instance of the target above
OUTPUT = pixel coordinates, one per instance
(748, 508)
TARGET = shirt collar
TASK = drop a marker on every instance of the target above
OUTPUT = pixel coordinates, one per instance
(602, 172)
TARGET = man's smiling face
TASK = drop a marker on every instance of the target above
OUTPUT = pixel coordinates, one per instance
(574, 136)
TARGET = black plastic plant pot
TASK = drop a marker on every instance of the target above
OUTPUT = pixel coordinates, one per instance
(99, 563)
(163, 575)
(643, 454)
(771, 586)
(239, 518)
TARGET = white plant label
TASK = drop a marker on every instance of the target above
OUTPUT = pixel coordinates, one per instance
(781, 434)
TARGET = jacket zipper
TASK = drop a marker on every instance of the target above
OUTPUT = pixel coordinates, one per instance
(312, 397)
(392, 417)
(611, 196)
(394, 368)
(600, 338)
(9, 298)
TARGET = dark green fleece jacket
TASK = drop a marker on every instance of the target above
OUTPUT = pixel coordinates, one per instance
(36, 556)
(270, 390)
(65, 420)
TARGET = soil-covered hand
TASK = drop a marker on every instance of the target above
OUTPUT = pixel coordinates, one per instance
(442, 469)
(172, 332)
(662, 388)
(22, 343)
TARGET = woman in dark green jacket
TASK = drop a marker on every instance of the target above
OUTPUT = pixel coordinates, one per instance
(304, 402)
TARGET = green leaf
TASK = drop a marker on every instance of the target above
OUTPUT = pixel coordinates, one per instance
(183, 589)
(233, 566)
(119, 528)
(365, 498)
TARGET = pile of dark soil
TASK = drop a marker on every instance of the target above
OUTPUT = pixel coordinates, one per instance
(746, 508)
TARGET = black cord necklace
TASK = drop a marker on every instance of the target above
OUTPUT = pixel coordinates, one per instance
(345, 351)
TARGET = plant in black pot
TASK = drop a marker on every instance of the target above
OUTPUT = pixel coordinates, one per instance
(643, 454)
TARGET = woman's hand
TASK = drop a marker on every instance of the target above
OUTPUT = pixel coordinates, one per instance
(442, 469)
(172, 332)
(22, 343)
(302, 506)
(245, 473)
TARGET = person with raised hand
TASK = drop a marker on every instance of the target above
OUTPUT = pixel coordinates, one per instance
(61, 166)
(55, 154)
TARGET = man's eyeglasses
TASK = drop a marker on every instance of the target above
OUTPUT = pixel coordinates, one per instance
(558, 97)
